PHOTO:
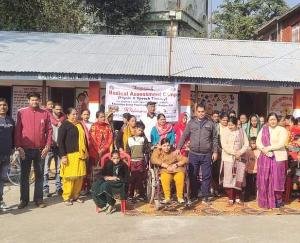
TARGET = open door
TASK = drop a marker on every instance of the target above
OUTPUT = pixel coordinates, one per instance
(6, 92)
(64, 96)
(253, 103)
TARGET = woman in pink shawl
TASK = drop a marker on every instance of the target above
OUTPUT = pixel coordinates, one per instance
(179, 129)
(163, 129)
(271, 164)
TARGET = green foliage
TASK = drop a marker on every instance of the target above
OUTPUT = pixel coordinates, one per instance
(239, 19)
(43, 15)
(121, 16)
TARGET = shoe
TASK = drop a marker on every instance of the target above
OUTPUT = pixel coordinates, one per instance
(58, 192)
(230, 203)
(78, 200)
(239, 202)
(111, 209)
(22, 204)
(68, 203)
(181, 201)
(166, 201)
(131, 200)
(47, 194)
(206, 201)
(141, 198)
(3, 206)
(40, 204)
(100, 210)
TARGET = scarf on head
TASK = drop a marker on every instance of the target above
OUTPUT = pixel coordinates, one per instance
(248, 127)
(163, 130)
(180, 125)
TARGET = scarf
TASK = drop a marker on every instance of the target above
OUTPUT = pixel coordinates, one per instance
(248, 127)
(179, 127)
(127, 133)
(163, 130)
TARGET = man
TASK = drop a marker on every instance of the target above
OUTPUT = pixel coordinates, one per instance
(6, 144)
(57, 118)
(149, 119)
(203, 150)
(49, 106)
(33, 138)
(243, 120)
(215, 117)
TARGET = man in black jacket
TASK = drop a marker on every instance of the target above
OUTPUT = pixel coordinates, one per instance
(203, 150)
(6, 144)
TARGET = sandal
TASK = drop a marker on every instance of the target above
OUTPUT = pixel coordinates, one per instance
(68, 203)
(100, 210)
(111, 209)
(78, 200)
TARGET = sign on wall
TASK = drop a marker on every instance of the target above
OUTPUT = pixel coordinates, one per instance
(222, 102)
(19, 99)
(132, 98)
(281, 104)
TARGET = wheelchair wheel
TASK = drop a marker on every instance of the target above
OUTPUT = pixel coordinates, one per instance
(151, 184)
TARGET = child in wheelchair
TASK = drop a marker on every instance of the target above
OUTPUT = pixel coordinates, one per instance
(172, 167)
(138, 148)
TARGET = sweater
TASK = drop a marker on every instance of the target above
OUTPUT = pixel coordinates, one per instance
(33, 129)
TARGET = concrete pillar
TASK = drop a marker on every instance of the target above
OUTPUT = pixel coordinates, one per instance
(185, 98)
(296, 103)
(94, 98)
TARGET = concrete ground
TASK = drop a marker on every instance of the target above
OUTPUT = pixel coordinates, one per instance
(80, 223)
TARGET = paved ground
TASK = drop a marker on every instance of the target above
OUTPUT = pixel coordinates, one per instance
(80, 223)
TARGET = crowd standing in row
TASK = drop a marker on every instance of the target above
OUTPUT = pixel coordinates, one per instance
(245, 158)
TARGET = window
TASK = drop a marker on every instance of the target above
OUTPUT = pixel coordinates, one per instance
(296, 33)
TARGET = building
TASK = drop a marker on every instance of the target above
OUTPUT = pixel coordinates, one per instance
(189, 17)
(284, 28)
(249, 76)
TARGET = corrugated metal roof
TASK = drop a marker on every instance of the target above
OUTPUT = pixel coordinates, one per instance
(148, 56)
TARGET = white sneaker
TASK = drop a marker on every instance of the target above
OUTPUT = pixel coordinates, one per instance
(165, 201)
(180, 200)
(3, 206)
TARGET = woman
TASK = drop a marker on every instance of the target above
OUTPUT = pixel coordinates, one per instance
(114, 179)
(222, 126)
(179, 129)
(128, 131)
(172, 167)
(271, 164)
(253, 127)
(162, 130)
(73, 151)
(234, 144)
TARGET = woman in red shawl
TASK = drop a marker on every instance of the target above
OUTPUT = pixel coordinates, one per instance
(101, 138)
(179, 129)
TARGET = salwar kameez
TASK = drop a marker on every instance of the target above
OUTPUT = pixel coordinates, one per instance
(74, 171)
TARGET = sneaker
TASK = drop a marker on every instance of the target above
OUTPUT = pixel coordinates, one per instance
(100, 210)
(3, 206)
(166, 201)
(111, 209)
(206, 201)
(141, 198)
(40, 204)
(230, 203)
(181, 201)
(238, 201)
(46, 194)
(22, 205)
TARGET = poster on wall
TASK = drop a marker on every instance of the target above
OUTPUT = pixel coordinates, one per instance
(82, 99)
(132, 98)
(222, 102)
(281, 104)
(19, 99)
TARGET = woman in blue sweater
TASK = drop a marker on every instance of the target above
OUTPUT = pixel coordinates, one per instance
(163, 129)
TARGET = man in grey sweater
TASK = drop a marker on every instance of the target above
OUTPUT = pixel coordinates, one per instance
(203, 136)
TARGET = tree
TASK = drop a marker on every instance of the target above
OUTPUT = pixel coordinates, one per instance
(239, 19)
(43, 15)
(121, 16)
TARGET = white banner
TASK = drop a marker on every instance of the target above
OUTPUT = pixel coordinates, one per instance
(281, 104)
(132, 98)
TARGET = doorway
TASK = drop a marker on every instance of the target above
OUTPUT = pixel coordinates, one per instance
(6, 92)
(64, 96)
(253, 103)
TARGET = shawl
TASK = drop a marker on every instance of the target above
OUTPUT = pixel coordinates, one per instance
(248, 127)
(163, 130)
(127, 133)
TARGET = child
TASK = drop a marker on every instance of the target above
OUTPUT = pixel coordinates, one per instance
(251, 157)
(138, 148)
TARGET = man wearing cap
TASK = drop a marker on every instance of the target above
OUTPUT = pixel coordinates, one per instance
(149, 119)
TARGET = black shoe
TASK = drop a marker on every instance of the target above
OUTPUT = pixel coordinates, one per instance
(22, 204)
(46, 194)
(40, 204)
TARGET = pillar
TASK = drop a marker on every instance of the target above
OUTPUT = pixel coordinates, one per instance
(296, 103)
(185, 98)
(94, 98)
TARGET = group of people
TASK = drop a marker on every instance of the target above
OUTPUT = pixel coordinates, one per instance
(243, 157)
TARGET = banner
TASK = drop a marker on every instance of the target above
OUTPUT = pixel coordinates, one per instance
(132, 98)
(281, 104)
(19, 98)
(222, 102)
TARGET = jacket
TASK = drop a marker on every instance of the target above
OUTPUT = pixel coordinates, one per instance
(123, 172)
(33, 129)
(68, 137)
(158, 157)
(7, 126)
(203, 136)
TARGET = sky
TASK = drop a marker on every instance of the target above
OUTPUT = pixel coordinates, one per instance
(291, 3)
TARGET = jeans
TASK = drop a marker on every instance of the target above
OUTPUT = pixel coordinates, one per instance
(52, 154)
(32, 155)
(4, 166)
(197, 161)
